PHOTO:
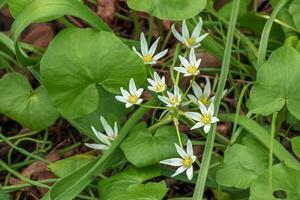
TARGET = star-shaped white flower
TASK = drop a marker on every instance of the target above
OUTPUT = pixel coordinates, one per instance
(191, 66)
(148, 54)
(204, 119)
(157, 84)
(191, 41)
(173, 100)
(185, 163)
(132, 97)
(107, 139)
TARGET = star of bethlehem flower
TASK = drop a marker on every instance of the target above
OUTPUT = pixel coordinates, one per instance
(191, 66)
(157, 84)
(191, 41)
(173, 99)
(131, 97)
(185, 163)
(111, 134)
(205, 119)
(148, 54)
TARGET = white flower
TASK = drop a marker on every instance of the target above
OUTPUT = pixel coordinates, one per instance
(173, 100)
(204, 119)
(157, 84)
(185, 163)
(191, 66)
(148, 54)
(132, 97)
(193, 40)
(105, 139)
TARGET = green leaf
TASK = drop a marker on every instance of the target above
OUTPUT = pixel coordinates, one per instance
(294, 11)
(296, 145)
(67, 166)
(16, 6)
(3, 195)
(284, 179)
(263, 136)
(142, 149)
(169, 10)
(129, 185)
(242, 164)
(225, 10)
(278, 84)
(31, 108)
(96, 58)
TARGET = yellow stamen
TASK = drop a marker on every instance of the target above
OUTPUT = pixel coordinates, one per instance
(204, 101)
(192, 69)
(187, 162)
(190, 41)
(206, 119)
(173, 101)
(133, 99)
(147, 58)
(160, 87)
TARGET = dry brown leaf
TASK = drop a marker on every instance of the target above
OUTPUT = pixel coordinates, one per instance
(106, 10)
(39, 35)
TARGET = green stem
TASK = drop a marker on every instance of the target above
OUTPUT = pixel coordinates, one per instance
(161, 123)
(176, 123)
(137, 29)
(153, 107)
(273, 130)
(266, 32)
(200, 184)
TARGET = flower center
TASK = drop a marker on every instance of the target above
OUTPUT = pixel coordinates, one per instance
(173, 101)
(206, 119)
(204, 100)
(160, 87)
(190, 41)
(187, 162)
(147, 58)
(132, 99)
(192, 69)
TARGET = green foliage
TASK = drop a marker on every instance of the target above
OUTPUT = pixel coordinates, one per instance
(277, 84)
(294, 11)
(296, 145)
(242, 164)
(169, 10)
(72, 79)
(225, 10)
(3, 195)
(284, 179)
(129, 185)
(68, 165)
(142, 149)
(31, 108)
(16, 6)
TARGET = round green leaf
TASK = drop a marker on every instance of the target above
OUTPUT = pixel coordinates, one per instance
(294, 11)
(296, 145)
(31, 108)
(284, 179)
(77, 60)
(169, 9)
(142, 148)
(278, 84)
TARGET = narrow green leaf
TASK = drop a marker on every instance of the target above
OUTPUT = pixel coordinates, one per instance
(3, 195)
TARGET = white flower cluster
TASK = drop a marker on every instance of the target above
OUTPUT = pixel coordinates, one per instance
(172, 100)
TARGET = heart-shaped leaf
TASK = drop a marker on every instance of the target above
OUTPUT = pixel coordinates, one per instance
(170, 9)
(142, 148)
(242, 164)
(31, 108)
(285, 184)
(77, 60)
(128, 185)
(278, 84)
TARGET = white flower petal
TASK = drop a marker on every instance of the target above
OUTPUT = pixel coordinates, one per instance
(127, 105)
(185, 30)
(202, 108)
(160, 55)
(172, 162)
(192, 57)
(200, 38)
(184, 61)
(122, 99)
(211, 109)
(179, 171)
(214, 120)
(132, 87)
(197, 90)
(207, 128)
(189, 173)
(180, 151)
(144, 45)
(194, 115)
(96, 146)
(207, 89)
(139, 92)
(134, 49)
(180, 69)
(115, 129)
(139, 101)
(153, 47)
(197, 125)
(164, 99)
(103, 138)
(189, 148)
(125, 93)
(107, 127)
(177, 35)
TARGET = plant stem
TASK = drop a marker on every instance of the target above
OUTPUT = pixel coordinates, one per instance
(200, 184)
(176, 123)
(161, 123)
(273, 130)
